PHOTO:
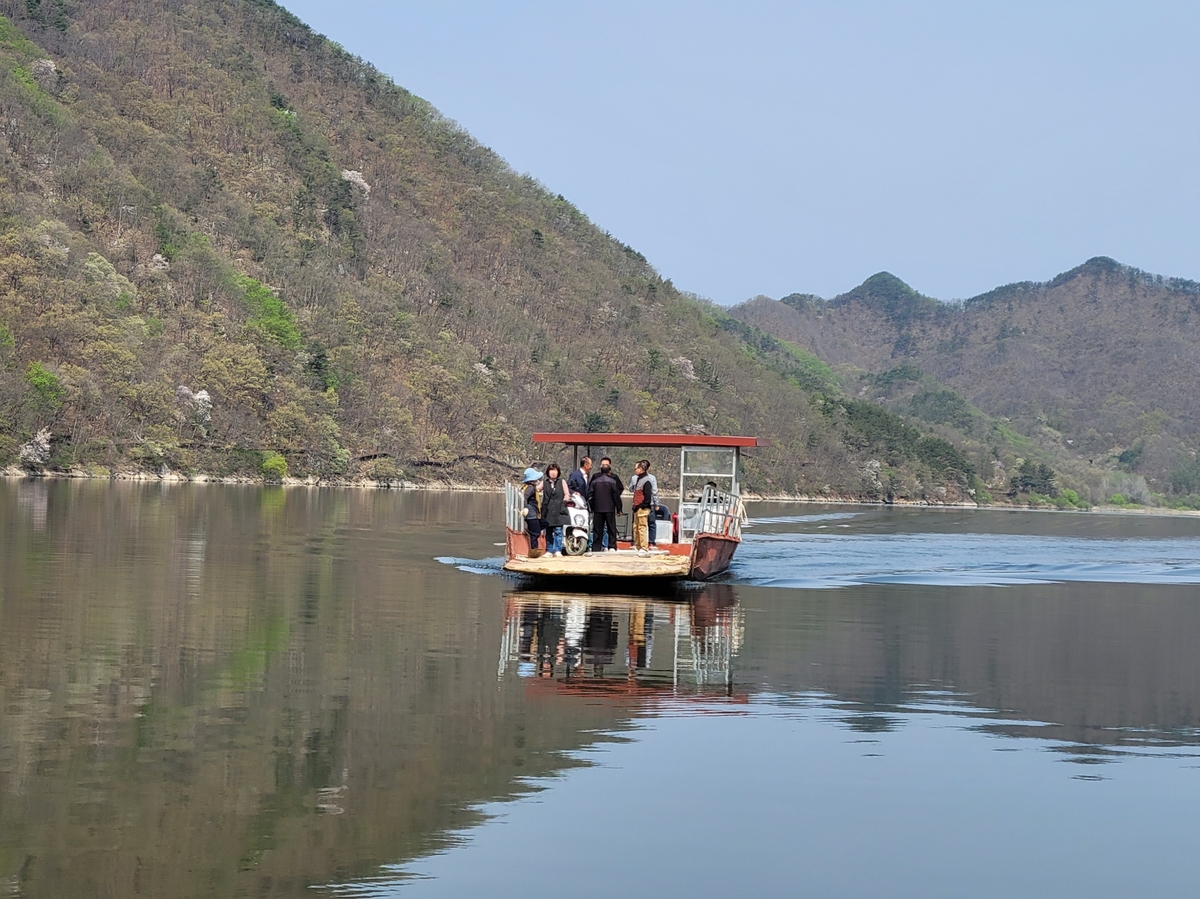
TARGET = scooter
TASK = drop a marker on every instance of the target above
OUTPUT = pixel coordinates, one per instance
(577, 533)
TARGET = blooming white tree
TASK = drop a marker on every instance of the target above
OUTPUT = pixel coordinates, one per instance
(200, 405)
(357, 179)
(36, 453)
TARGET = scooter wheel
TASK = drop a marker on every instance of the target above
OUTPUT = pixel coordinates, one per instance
(575, 544)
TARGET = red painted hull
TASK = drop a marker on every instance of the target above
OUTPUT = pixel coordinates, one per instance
(711, 555)
(516, 543)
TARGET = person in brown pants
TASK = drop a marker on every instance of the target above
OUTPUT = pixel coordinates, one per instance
(643, 501)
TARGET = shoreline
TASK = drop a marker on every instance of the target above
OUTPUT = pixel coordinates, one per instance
(172, 477)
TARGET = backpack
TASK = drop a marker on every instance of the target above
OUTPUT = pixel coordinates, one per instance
(639, 493)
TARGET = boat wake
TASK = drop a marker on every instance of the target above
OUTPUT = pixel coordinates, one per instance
(826, 560)
(474, 566)
(799, 519)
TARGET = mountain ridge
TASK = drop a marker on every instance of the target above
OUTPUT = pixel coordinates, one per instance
(1099, 362)
(227, 247)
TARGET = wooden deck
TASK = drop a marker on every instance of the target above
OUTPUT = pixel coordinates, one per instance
(623, 563)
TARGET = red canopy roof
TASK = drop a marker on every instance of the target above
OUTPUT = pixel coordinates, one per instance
(585, 439)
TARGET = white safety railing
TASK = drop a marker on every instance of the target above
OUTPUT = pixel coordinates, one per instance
(514, 507)
(717, 512)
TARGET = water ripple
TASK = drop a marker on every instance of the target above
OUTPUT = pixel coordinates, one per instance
(806, 560)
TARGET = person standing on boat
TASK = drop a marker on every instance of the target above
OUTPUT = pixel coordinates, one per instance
(643, 500)
(604, 497)
(533, 510)
(654, 504)
(554, 508)
(578, 481)
(604, 460)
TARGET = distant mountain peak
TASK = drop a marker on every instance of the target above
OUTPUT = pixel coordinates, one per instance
(1094, 267)
(884, 281)
(1106, 267)
(885, 293)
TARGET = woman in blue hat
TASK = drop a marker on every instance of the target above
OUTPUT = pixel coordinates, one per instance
(533, 510)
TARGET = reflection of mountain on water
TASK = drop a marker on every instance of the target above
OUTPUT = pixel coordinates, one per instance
(211, 691)
(1087, 664)
(623, 645)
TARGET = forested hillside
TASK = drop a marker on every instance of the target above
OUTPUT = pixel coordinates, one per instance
(1099, 367)
(227, 247)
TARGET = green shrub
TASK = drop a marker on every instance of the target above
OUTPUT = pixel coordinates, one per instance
(980, 492)
(268, 313)
(1186, 478)
(943, 407)
(385, 471)
(1069, 499)
(274, 467)
(1130, 458)
(11, 38)
(1034, 477)
(805, 369)
(1119, 499)
(9, 449)
(943, 457)
(878, 427)
(48, 389)
(897, 375)
(596, 423)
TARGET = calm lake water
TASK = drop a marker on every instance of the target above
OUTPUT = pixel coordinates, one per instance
(218, 691)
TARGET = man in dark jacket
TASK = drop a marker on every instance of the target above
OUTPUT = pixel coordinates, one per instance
(604, 496)
(578, 481)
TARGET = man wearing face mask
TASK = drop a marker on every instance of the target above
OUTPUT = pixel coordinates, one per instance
(604, 496)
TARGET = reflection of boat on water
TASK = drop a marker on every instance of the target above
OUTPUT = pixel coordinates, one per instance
(708, 527)
(623, 645)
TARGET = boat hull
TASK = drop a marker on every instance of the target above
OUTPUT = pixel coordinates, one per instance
(709, 556)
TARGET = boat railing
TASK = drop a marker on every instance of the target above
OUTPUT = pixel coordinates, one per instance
(718, 512)
(514, 507)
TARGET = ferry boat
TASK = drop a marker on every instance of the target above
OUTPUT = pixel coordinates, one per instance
(702, 536)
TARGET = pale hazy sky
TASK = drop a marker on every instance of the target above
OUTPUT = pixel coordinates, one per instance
(759, 147)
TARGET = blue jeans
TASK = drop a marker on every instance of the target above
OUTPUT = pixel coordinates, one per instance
(554, 540)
